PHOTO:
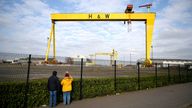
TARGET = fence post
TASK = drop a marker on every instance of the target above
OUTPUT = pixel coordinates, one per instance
(156, 74)
(115, 74)
(187, 73)
(81, 80)
(27, 82)
(138, 70)
(168, 73)
(179, 73)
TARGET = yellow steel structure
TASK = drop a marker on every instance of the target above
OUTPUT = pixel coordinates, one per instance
(113, 55)
(148, 18)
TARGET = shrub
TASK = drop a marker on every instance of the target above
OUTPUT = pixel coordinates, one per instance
(13, 93)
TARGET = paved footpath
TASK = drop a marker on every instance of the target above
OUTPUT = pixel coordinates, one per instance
(174, 96)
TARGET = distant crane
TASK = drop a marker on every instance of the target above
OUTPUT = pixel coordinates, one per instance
(148, 6)
(113, 56)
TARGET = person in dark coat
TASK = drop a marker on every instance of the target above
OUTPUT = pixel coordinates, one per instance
(53, 87)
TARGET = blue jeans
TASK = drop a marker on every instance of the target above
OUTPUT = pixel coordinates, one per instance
(53, 97)
(66, 97)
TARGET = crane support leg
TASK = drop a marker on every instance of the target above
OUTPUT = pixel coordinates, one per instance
(54, 46)
(49, 44)
(149, 32)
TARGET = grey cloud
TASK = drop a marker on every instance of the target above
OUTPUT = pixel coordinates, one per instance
(33, 27)
(98, 6)
(179, 53)
(173, 31)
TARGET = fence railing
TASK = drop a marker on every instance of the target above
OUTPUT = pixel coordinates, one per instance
(101, 78)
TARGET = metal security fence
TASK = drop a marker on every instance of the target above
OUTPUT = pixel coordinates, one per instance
(92, 78)
(11, 69)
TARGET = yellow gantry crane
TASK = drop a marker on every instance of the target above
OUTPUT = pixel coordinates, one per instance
(113, 56)
(129, 15)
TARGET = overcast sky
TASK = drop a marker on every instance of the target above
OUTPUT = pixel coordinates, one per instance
(25, 26)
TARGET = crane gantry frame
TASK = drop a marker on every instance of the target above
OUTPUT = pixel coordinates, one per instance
(148, 18)
(113, 56)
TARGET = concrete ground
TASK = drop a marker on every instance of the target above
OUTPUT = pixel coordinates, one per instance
(174, 96)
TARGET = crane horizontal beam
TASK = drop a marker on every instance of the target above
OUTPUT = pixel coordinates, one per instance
(103, 54)
(146, 5)
(102, 16)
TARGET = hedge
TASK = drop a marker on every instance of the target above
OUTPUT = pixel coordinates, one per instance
(12, 93)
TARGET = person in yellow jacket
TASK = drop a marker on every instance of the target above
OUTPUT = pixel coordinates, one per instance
(66, 88)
